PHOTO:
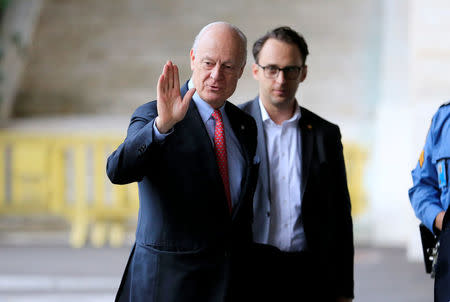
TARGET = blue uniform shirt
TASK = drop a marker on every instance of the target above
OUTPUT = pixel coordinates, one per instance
(430, 192)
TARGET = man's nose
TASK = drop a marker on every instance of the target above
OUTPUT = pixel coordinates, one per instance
(280, 77)
(216, 72)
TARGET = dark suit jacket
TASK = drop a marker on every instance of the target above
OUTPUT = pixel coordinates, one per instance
(186, 239)
(325, 199)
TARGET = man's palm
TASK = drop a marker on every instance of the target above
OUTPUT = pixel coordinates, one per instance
(171, 107)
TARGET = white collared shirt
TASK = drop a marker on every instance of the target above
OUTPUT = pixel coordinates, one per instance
(283, 143)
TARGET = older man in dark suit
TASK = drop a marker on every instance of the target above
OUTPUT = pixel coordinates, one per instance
(192, 154)
(302, 206)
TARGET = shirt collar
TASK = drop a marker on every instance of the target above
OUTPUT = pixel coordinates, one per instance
(203, 107)
(265, 116)
(190, 84)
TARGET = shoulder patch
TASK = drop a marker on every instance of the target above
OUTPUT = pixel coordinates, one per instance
(421, 158)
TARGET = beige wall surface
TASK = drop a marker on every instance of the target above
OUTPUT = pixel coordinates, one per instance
(104, 57)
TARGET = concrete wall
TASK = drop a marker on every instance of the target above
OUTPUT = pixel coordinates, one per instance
(105, 56)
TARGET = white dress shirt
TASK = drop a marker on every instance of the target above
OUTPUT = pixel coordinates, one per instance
(283, 143)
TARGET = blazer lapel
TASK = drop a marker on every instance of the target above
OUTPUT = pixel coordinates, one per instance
(239, 130)
(192, 127)
(307, 134)
(261, 149)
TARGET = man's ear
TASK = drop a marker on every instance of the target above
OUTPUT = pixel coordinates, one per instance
(304, 73)
(192, 55)
(255, 70)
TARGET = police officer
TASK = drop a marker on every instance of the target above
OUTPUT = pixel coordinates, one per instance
(430, 195)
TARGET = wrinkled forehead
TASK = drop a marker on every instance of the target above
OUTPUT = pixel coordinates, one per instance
(222, 44)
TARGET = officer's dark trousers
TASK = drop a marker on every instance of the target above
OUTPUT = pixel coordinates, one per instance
(442, 278)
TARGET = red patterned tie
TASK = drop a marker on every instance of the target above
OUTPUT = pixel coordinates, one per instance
(220, 147)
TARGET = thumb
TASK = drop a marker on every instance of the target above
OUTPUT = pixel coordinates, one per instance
(188, 96)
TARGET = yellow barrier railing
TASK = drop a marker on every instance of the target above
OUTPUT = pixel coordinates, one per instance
(65, 176)
(355, 163)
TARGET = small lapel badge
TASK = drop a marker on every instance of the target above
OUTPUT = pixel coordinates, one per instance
(242, 127)
(309, 126)
(421, 158)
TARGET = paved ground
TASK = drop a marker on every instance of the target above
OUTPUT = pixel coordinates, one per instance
(384, 274)
(50, 273)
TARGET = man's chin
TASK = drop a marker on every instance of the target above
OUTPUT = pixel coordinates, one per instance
(214, 98)
(280, 100)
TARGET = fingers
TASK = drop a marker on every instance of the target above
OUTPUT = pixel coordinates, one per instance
(170, 71)
(169, 78)
(176, 77)
(163, 83)
(160, 86)
(187, 99)
(188, 95)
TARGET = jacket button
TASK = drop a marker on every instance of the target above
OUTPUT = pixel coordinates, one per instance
(141, 149)
(268, 214)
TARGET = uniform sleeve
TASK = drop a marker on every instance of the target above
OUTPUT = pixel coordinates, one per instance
(127, 163)
(425, 195)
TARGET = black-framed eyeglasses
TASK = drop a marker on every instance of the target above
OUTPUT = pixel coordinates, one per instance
(290, 72)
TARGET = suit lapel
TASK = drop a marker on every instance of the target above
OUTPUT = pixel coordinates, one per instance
(239, 129)
(196, 128)
(261, 149)
(307, 134)
(194, 132)
(184, 89)
(193, 122)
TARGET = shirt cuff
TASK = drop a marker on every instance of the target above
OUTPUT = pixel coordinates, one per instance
(158, 136)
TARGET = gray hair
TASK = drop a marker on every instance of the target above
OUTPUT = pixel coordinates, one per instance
(231, 26)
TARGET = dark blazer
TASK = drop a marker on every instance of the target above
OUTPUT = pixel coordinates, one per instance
(186, 239)
(325, 199)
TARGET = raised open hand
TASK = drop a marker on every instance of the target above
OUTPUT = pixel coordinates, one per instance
(171, 108)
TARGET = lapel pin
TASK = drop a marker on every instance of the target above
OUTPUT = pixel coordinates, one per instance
(242, 127)
(309, 126)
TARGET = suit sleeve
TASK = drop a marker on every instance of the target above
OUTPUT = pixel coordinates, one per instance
(345, 251)
(425, 194)
(127, 163)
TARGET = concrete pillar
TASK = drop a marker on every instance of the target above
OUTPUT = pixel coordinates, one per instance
(389, 208)
(19, 22)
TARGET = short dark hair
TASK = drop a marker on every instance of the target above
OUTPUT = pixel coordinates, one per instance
(284, 34)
